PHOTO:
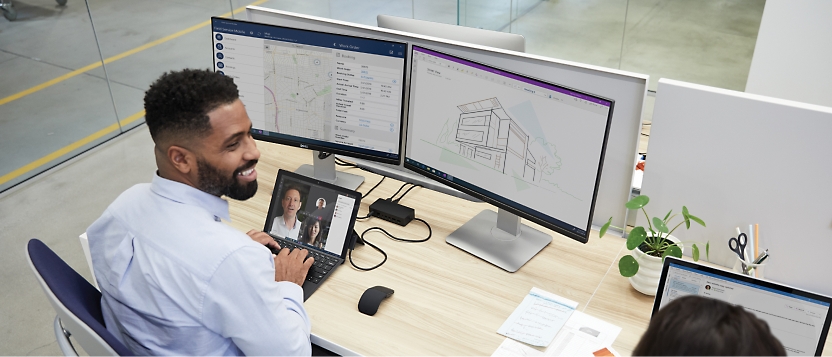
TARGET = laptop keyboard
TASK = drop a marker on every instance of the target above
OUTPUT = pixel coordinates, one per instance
(323, 262)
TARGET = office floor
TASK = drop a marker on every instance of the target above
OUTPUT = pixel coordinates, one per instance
(708, 42)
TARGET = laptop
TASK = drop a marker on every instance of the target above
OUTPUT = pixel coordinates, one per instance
(323, 224)
(798, 318)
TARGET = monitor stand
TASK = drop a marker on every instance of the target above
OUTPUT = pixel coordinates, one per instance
(500, 239)
(324, 170)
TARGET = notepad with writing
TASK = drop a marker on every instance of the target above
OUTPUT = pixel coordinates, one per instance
(538, 318)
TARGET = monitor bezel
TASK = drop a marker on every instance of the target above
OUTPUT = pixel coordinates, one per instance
(274, 202)
(747, 279)
(501, 202)
(320, 145)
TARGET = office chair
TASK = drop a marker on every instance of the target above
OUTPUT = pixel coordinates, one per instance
(77, 303)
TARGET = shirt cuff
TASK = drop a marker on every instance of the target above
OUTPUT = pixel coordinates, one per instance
(291, 290)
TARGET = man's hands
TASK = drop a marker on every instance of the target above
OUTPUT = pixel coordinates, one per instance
(291, 266)
(264, 239)
(287, 266)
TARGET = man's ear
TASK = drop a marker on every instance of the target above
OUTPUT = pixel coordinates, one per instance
(182, 159)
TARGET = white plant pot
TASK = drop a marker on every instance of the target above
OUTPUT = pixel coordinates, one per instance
(646, 281)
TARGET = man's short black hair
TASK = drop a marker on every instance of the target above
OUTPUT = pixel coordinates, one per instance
(177, 104)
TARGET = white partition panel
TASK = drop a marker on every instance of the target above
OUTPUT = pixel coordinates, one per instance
(793, 53)
(735, 158)
(626, 88)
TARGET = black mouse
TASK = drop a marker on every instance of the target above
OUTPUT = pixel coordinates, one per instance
(372, 298)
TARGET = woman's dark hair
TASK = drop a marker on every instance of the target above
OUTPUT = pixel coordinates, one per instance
(177, 104)
(699, 326)
(308, 223)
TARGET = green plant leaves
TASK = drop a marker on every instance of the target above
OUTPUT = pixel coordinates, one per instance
(687, 217)
(627, 266)
(636, 237)
(604, 228)
(697, 220)
(674, 251)
(695, 253)
(667, 216)
(708, 250)
(659, 225)
(637, 202)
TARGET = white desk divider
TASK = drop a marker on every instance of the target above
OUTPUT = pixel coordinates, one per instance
(736, 159)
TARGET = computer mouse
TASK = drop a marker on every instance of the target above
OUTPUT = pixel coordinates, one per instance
(371, 299)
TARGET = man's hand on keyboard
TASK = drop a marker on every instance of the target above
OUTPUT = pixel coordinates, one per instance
(291, 266)
(264, 239)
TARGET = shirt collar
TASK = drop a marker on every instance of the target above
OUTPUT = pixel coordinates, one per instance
(189, 195)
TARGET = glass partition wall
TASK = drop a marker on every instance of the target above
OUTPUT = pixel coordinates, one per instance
(73, 76)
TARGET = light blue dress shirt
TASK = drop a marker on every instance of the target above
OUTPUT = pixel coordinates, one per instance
(176, 280)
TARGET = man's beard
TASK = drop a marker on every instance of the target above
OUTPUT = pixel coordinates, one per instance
(212, 181)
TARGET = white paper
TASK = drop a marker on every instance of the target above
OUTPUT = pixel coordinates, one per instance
(580, 336)
(538, 318)
(510, 348)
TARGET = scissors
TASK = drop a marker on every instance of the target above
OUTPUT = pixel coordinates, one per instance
(737, 245)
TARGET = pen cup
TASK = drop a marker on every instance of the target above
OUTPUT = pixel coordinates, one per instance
(751, 269)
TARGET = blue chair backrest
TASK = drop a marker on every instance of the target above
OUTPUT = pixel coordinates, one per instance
(74, 292)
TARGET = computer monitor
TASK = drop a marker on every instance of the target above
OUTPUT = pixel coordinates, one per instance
(325, 92)
(799, 319)
(532, 148)
(497, 39)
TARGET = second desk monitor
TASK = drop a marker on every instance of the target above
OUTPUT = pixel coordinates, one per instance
(320, 91)
(532, 148)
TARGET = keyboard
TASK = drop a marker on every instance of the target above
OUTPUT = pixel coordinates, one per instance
(323, 264)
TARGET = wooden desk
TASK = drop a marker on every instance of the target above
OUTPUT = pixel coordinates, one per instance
(446, 302)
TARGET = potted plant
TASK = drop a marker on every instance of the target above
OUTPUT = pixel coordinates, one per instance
(649, 247)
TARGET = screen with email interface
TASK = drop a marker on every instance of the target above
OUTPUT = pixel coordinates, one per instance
(796, 318)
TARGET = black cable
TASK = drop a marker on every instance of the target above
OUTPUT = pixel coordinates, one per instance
(349, 254)
(374, 187)
(405, 192)
(323, 155)
(400, 190)
(371, 245)
(341, 162)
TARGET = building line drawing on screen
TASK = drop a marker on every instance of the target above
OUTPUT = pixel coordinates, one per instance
(486, 134)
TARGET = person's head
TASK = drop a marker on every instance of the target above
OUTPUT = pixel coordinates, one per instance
(321, 203)
(313, 229)
(290, 201)
(202, 133)
(699, 326)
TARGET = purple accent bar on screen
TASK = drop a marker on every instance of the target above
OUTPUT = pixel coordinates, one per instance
(513, 76)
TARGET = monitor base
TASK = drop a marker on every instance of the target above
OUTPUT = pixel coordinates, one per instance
(343, 179)
(481, 237)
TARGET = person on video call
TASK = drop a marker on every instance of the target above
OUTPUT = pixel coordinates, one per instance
(175, 279)
(321, 203)
(699, 326)
(312, 233)
(287, 225)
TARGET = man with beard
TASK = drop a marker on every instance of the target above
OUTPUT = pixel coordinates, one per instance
(174, 278)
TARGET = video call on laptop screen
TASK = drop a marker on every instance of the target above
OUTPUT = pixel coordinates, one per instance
(324, 215)
(795, 318)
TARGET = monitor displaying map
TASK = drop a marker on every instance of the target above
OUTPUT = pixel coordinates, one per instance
(321, 91)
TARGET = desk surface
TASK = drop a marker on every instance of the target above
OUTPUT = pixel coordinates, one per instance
(447, 302)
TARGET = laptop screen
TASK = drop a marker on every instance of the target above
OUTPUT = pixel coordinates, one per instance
(313, 213)
(799, 319)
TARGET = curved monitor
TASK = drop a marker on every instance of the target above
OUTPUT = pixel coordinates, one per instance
(529, 147)
(497, 39)
(321, 91)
